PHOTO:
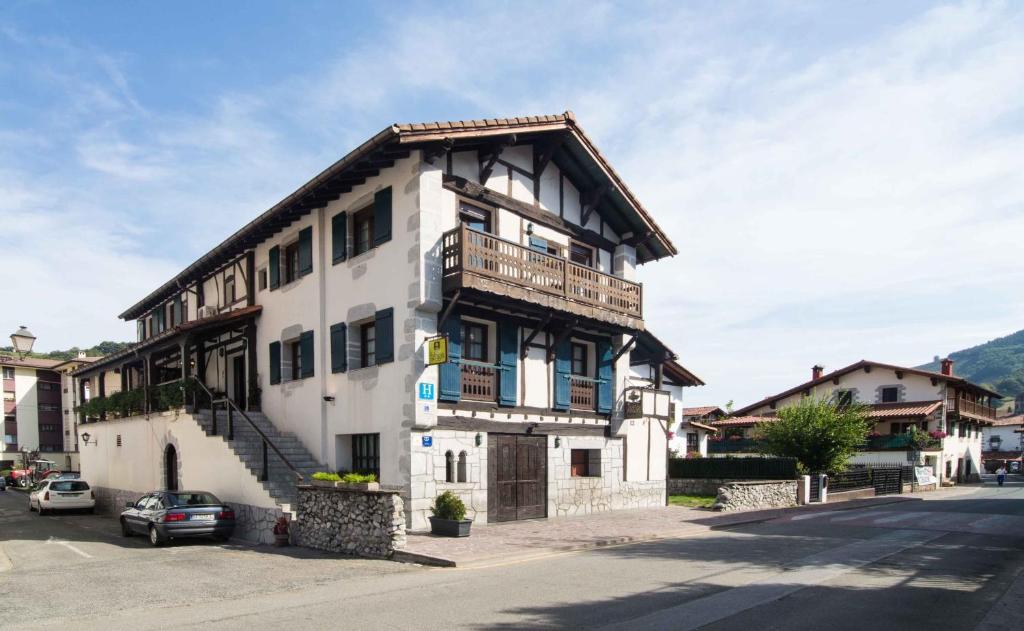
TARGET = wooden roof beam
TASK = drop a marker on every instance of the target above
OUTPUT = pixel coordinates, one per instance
(489, 156)
(543, 153)
(591, 200)
(435, 150)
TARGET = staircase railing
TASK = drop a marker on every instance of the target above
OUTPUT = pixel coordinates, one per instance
(230, 406)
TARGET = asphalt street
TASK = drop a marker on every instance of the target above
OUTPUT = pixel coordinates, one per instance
(945, 560)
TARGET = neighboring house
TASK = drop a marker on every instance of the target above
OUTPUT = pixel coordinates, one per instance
(32, 410)
(512, 237)
(69, 403)
(1003, 440)
(950, 409)
(670, 376)
(697, 429)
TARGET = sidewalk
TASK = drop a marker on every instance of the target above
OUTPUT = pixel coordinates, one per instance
(491, 544)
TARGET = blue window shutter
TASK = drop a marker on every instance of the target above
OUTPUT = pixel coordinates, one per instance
(539, 244)
(305, 250)
(605, 376)
(306, 353)
(275, 267)
(339, 237)
(508, 351)
(382, 216)
(275, 362)
(384, 325)
(563, 368)
(177, 309)
(339, 347)
(451, 372)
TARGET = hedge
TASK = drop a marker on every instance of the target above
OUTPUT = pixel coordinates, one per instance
(734, 468)
(165, 396)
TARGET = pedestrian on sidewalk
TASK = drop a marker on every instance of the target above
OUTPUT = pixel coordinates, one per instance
(1001, 474)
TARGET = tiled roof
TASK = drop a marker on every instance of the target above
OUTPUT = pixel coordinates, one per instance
(29, 362)
(899, 410)
(700, 411)
(1009, 420)
(742, 421)
(702, 426)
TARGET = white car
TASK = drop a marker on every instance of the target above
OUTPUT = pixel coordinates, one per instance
(57, 494)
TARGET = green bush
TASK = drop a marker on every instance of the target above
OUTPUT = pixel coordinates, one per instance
(323, 476)
(448, 506)
(358, 478)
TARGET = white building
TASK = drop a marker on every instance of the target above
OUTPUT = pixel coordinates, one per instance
(512, 237)
(696, 429)
(1003, 441)
(951, 410)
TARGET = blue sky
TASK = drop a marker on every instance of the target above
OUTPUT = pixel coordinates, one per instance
(843, 180)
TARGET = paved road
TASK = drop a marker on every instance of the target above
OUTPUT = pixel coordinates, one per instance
(952, 560)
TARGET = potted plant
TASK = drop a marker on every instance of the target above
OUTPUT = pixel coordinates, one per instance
(359, 482)
(449, 516)
(324, 479)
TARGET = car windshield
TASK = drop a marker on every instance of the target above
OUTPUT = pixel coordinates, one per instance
(198, 498)
(69, 485)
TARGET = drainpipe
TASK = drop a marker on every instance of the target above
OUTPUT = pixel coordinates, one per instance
(323, 335)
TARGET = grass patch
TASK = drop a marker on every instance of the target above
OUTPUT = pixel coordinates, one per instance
(692, 501)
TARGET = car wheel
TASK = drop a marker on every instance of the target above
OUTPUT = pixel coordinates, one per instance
(41, 511)
(92, 510)
(154, 536)
(125, 530)
(30, 506)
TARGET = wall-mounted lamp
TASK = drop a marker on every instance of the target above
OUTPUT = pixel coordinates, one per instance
(329, 398)
(558, 442)
(529, 228)
(85, 438)
(479, 439)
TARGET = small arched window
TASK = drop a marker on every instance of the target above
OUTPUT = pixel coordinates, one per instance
(449, 467)
(462, 466)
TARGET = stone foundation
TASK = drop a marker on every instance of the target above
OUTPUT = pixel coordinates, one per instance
(252, 523)
(735, 496)
(359, 523)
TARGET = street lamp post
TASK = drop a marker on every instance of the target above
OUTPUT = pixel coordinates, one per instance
(22, 340)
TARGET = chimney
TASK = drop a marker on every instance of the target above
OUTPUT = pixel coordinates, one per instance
(81, 354)
(816, 372)
(947, 367)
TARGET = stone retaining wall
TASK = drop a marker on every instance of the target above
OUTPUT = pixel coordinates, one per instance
(360, 523)
(695, 486)
(734, 496)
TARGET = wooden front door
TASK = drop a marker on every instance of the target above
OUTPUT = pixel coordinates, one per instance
(238, 377)
(517, 477)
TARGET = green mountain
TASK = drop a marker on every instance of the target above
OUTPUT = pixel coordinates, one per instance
(998, 364)
(103, 348)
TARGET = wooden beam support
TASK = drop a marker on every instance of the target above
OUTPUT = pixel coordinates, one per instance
(448, 310)
(542, 154)
(565, 333)
(625, 348)
(591, 200)
(537, 329)
(489, 157)
(435, 150)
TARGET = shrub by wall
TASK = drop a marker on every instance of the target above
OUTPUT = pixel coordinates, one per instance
(734, 468)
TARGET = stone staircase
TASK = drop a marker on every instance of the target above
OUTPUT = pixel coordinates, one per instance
(248, 446)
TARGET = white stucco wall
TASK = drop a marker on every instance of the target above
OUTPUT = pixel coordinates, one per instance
(26, 396)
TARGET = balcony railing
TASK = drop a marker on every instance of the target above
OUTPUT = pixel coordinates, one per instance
(975, 409)
(479, 381)
(582, 393)
(467, 251)
(899, 442)
(730, 446)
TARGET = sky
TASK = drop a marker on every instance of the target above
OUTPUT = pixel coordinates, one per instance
(843, 180)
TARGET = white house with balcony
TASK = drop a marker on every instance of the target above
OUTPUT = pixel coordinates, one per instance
(512, 238)
(949, 411)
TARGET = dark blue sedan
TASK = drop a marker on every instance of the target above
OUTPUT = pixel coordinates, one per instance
(164, 515)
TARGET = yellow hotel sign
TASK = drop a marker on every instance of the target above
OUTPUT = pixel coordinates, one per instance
(437, 350)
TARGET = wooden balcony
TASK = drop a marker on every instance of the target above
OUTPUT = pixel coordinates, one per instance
(476, 260)
(582, 393)
(977, 410)
(479, 381)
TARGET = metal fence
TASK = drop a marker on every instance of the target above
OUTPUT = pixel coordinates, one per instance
(886, 479)
(734, 468)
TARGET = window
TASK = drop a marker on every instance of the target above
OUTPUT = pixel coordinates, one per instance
(449, 466)
(48, 428)
(48, 407)
(581, 254)
(8, 372)
(462, 466)
(229, 289)
(366, 453)
(362, 227)
(585, 463)
(691, 442)
(49, 386)
(261, 278)
(291, 262)
(579, 360)
(367, 344)
(295, 349)
(10, 439)
(474, 217)
(890, 394)
(474, 340)
(844, 397)
(8, 396)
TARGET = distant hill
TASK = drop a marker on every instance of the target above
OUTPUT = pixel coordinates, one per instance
(103, 348)
(998, 364)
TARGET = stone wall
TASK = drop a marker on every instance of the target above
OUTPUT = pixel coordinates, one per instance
(252, 523)
(695, 486)
(734, 496)
(569, 495)
(360, 523)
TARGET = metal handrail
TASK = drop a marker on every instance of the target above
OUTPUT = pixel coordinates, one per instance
(229, 404)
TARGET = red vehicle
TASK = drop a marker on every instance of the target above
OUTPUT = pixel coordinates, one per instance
(37, 470)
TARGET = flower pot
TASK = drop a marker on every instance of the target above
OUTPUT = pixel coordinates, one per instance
(323, 483)
(360, 486)
(450, 527)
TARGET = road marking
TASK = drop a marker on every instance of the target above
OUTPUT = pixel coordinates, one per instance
(858, 515)
(68, 545)
(813, 515)
(806, 572)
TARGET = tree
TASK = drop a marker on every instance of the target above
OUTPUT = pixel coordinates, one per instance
(820, 433)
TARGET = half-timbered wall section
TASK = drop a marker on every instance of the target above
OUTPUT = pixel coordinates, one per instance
(512, 237)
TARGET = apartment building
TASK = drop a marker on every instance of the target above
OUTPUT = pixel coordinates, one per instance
(512, 239)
